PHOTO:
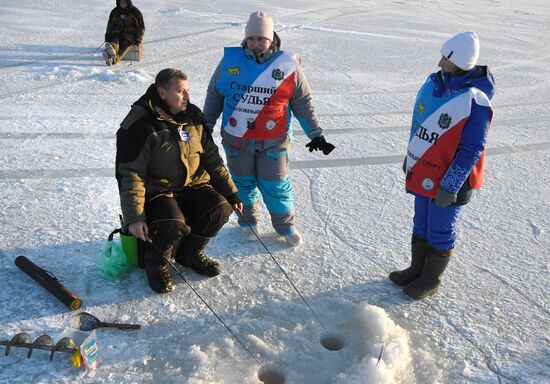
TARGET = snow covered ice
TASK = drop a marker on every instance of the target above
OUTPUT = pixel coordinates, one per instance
(365, 60)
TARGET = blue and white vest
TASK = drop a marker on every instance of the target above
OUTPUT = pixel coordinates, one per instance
(435, 135)
(257, 96)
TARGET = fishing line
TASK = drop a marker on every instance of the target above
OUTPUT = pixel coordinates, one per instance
(282, 270)
(204, 302)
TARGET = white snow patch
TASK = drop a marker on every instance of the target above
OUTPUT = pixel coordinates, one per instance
(376, 329)
(300, 357)
(172, 10)
(71, 72)
(258, 343)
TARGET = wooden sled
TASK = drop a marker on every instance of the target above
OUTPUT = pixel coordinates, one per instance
(134, 54)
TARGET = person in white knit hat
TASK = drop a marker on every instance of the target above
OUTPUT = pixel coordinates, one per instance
(445, 156)
(258, 87)
(462, 50)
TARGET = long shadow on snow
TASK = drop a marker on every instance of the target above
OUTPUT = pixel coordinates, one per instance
(263, 306)
(36, 48)
(47, 55)
(75, 266)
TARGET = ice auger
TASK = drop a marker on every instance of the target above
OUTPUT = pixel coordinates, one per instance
(43, 342)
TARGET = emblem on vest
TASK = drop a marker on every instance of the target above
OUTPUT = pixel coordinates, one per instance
(277, 74)
(421, 107)
(427, 184)
(444, 121)
(233, 71)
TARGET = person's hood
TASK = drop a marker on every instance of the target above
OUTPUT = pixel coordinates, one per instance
(152, 99)
(144, 106)
(130, 5)
(479, 77)
(483, 80)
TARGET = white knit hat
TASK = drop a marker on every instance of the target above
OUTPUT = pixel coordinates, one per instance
(462, 50)
(259, 25)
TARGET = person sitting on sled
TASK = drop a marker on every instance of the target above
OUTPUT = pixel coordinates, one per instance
(258, 87)
(175, 191)
(451, 118)
(125, 30)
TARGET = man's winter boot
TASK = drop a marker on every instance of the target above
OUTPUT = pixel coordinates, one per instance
(294, 239)
(418, 253)
(191, 254)
(430, 279)
(109, 54)
(248, 234)
(158, 272)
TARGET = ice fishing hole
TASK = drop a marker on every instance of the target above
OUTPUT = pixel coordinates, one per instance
(332, 342)
(270, 375)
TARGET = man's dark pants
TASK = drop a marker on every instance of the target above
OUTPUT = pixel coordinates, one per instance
(172, 219)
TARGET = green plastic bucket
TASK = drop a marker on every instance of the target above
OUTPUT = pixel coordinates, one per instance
(130, 247)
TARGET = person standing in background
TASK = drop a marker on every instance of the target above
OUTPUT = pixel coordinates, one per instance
(445, 158)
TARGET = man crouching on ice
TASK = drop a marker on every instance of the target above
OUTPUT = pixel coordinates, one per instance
(175, 191)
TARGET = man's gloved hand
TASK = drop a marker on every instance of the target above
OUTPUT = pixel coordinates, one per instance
(405, 165)
(235, 202)
(319, 143)
(444, 198)
(233, 199)
(137, 42)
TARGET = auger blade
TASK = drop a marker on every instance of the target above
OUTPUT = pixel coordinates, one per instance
(41, 342)
(63, 344)
(20, 340)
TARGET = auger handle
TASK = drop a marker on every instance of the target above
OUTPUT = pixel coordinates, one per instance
(119, 325)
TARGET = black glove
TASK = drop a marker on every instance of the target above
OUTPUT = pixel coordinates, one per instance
(233, 199)
(444, 198)
(320, 143)
(137, 42)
